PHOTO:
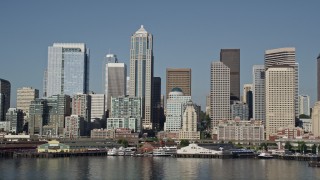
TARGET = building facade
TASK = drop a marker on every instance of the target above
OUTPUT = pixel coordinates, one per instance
(74, 126)
(245, 90)
(141, 72)
(68, 69)
(97, 106)
(304, 105)
(318, 77)
(125, 109)
(15, 117)
(234, 130)
(81, 106)
(316, 119)
(189, 123)
(175, 109)
(239, 109)
(219, 92)
(285, 56)
(280, 98)
(259, 93)
(5, 93)
(115, 79)
(157, 108)
(24, 97)
(178, 77)
(231, 58)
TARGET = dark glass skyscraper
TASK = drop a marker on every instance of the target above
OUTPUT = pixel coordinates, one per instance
(318, 76)
(5, 89)
(231, 58)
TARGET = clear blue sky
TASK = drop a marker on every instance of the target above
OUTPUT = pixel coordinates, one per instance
(187, 34)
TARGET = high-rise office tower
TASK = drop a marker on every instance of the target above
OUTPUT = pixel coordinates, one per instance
(219, 92)
(316, 119)
(24, 97)
(81, 106)
(246, 88)
(249, 100)
(5, 90)
(304, 105)
(115, 79)
(258, 93)
(178, 77)
(97, 106)
(280, 98)
(15, 117)
(285, 56)
(68, 69)
(231, 58)
(175, 109)
(208, 104)
(157, 110)
(141, 72)
(45, 83)
(318, 77)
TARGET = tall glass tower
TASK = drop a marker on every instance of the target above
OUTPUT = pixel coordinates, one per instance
(68, 69)
(141, 72)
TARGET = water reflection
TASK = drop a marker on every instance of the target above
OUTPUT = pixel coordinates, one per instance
(154, 168)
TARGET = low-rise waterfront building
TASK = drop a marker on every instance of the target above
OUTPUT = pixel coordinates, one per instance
(195, 149)
(233, 130)
(289, 132)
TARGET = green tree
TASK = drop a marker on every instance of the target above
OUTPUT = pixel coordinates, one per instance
(264, 146)
(303, 116)
(123, 142)
(184, 142)
(314, 149)
(288, 146)
(302, 147)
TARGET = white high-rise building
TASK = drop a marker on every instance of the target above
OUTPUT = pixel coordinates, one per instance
(68, 69)
(175, 108)
(141, 72)
(258, 93)
(115, 80)
(285, 56)
(219, 93)
(245, 90)
(97, 106)
(24, 97)
(304, 105)
(280, 98)
(316, 119)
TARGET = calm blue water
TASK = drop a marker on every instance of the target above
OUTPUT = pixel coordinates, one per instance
(154, 168)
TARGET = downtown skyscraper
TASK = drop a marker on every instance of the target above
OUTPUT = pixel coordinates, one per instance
(5, 91)
(219, 93)
(285, 56)
(68, 69)
(280, 98)
(141, 72)
(115, 80)
(231, 58)
(258, 92)
(178, 77)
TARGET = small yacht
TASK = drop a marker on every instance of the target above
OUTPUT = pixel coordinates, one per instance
(130, 151)
(113, 152)
(121, 151)
(265, 155)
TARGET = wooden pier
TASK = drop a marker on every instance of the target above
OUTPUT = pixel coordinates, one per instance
(12, 154)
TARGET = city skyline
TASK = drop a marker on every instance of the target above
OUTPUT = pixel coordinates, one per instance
(206, 33)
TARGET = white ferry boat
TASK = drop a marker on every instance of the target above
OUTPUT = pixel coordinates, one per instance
(113, 152)
(195, 149)
(165, 151)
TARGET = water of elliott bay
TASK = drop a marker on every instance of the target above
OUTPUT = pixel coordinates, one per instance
(154, 168)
